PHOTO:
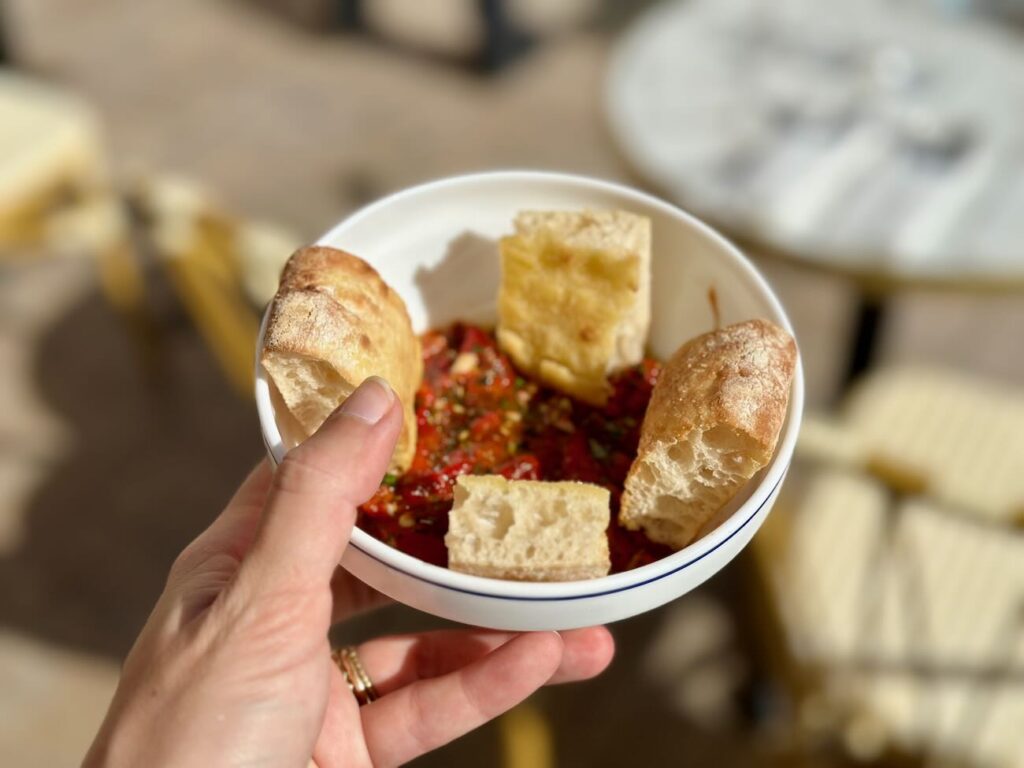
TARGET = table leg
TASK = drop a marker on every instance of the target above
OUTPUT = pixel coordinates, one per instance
(6, 54)
(872, 311)
(503, 41)
(349, 14)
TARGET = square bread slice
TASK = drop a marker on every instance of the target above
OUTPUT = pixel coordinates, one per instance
(528, 530)
(574, 303)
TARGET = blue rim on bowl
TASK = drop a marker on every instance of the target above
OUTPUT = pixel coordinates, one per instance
(480, 586)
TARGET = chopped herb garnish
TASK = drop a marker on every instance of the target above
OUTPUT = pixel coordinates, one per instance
(491, 417)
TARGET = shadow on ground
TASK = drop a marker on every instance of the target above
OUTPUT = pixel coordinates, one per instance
(151, 462)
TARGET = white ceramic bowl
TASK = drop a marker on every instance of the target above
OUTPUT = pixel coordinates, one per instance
(436, 245)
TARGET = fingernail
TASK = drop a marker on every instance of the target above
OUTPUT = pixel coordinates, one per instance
(371, 400)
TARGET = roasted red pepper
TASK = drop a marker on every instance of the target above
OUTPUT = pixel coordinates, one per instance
(477, 415)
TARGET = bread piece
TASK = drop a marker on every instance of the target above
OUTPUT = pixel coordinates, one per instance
(713, 421)
(528, 530)
(574, 303)
(334, 322)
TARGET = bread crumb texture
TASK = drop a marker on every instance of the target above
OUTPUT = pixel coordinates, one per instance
(528, 530)
(574, 301)
(334, 322)
(713, 422)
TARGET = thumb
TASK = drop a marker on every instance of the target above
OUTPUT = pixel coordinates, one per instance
(312, 502)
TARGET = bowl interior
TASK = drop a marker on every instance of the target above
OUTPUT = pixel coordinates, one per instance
(437, 246)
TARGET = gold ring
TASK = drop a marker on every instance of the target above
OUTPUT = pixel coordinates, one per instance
(354, 672)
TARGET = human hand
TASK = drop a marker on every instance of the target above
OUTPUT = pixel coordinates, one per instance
(233, 667)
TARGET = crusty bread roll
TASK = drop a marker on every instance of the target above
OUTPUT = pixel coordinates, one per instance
(333, 323)
(713, 421)
(528, 530)
(574, 301)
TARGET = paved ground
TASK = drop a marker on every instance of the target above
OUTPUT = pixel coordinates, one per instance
(103, 479)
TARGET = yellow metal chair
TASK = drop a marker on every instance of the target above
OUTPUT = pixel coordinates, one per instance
(894, 570)
(222, 269)
(51, 157)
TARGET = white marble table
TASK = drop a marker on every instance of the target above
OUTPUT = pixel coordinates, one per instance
(878, 140)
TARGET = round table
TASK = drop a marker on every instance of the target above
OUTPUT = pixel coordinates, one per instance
(878, 140)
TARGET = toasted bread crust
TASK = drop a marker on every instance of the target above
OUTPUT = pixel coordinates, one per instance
(734, 381)
(738, 376)
(334, 309)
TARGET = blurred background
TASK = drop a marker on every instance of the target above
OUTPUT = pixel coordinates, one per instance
(159, 161)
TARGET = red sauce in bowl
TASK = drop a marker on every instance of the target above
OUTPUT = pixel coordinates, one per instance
(477, 415)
